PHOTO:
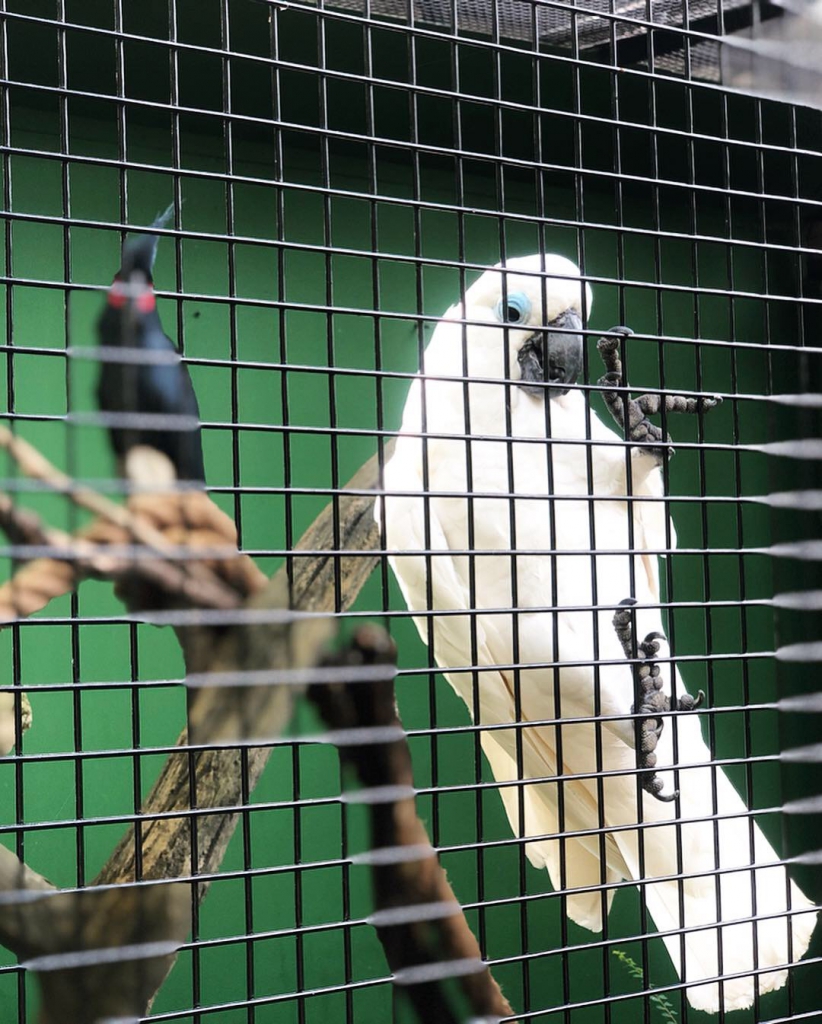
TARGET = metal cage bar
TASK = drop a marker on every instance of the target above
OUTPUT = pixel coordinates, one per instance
(341, 176)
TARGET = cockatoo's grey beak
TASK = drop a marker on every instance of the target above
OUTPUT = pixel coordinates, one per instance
(552, 357)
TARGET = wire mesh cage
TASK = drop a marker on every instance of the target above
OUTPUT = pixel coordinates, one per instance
(417, 471)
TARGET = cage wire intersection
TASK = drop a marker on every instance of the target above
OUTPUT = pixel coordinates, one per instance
(237, 785)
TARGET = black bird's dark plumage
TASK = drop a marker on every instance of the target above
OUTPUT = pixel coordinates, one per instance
(160, 386)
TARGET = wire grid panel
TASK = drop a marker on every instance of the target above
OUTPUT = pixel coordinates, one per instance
(339, 180)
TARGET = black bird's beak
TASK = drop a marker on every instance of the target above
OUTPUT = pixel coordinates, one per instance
(552, 357)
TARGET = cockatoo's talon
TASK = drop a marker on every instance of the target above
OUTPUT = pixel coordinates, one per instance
(622, 624)
(652, 784)
(631, 414)
(688, 703)
(650, 739)
(609, 343)
(651, 702)
(666, 798)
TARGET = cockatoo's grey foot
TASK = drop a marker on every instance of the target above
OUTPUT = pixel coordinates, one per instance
(631, 414)
(628, 412)
(650, 702)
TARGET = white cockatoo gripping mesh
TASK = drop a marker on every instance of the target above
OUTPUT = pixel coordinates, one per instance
(707, 872)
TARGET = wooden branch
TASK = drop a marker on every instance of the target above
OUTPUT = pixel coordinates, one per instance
(111, 917)
(166, 844)
(418, 881)
(98, 953)
(214, 778)
(102, 953)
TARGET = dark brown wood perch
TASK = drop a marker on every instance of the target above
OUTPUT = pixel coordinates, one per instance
(419, 882)
(216, 713)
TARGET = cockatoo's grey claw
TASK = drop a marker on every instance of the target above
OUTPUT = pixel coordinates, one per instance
(654, 785)
(667, 798)
(608, 348)
(650, 647)
(622, 624)
(688, 703)
(631, 414)
(650, 703)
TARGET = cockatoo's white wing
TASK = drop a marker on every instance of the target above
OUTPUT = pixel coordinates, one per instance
(414, 526)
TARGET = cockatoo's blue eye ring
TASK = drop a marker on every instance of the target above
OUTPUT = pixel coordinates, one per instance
(515, 310)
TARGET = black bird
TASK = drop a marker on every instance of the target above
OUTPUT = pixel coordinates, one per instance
(144, 385)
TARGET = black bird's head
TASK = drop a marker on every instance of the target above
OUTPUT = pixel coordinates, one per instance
(132, 291)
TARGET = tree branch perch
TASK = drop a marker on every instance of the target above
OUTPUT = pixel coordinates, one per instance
(417, 882)
(124, 915)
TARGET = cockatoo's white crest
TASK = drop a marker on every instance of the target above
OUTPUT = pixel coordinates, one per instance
(551, 276)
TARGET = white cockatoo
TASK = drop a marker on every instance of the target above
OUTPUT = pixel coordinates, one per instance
(491, 462)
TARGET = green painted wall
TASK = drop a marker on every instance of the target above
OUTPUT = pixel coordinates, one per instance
(270, 267)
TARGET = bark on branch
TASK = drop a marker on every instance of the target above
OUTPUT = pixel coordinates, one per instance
(220, 713)
(99, 953)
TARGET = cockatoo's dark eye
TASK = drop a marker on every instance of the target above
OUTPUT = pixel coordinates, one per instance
(514, 310)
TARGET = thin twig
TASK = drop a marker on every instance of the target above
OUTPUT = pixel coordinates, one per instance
(46, 578)
(36, 466)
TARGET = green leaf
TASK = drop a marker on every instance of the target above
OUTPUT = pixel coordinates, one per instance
(660, 1001)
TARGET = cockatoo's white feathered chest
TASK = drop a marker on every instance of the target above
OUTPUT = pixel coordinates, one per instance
(511, 489)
